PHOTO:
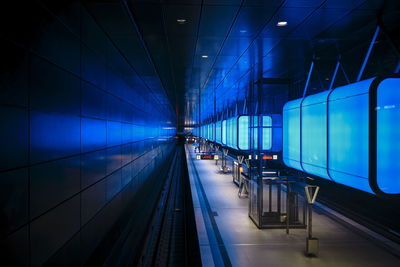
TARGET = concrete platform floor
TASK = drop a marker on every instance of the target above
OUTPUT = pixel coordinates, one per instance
(245, 245)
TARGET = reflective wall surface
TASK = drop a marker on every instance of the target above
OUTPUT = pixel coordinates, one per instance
(82, 130)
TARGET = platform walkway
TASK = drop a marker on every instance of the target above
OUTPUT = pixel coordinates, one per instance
(228, 237)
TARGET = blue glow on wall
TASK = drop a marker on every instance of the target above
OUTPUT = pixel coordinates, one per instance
(64, 139)
(93, 134)
(114, 133)
(327, 134)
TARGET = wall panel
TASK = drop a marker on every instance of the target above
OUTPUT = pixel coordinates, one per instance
(79, 126)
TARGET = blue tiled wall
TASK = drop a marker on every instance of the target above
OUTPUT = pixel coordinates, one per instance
(79, 132)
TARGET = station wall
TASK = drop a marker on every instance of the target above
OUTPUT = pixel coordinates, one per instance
(82, 133)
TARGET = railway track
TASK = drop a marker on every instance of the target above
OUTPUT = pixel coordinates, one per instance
(172, 236)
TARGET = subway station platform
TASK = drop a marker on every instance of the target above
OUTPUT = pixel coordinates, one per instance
(227, 236)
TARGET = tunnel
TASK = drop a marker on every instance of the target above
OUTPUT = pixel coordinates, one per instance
(200, 133)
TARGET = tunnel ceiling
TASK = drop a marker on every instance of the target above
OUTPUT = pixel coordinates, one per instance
(221, 39)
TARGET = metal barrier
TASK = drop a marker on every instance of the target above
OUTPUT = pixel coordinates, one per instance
(311, 242)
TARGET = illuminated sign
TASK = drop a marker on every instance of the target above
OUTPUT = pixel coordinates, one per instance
(274, 157)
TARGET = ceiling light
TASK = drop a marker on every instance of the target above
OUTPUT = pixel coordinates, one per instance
(243, 31)
(281, 23)
(204, 56)
(181, 21)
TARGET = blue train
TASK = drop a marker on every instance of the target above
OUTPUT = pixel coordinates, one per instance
(349, 135)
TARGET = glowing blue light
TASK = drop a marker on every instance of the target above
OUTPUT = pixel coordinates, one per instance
(388, 136)
(218, 132)
(291, 134)
(223, 139)
(93, 134)
(64, 139)
(243, 133)
(348, 137)
(255, 132)
(328, 135)
(113, 133)
(314, 148)
(267, 133)
(231, 137)
(235, 132)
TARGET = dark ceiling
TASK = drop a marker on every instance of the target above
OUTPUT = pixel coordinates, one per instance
(237, 34)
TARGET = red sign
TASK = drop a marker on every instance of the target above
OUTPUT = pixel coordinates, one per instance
(274, 157)
(207, 157)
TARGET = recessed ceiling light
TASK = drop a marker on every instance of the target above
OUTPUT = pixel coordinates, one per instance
(281, 23)
(204, 56)
(242, 31)
(181, 21)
